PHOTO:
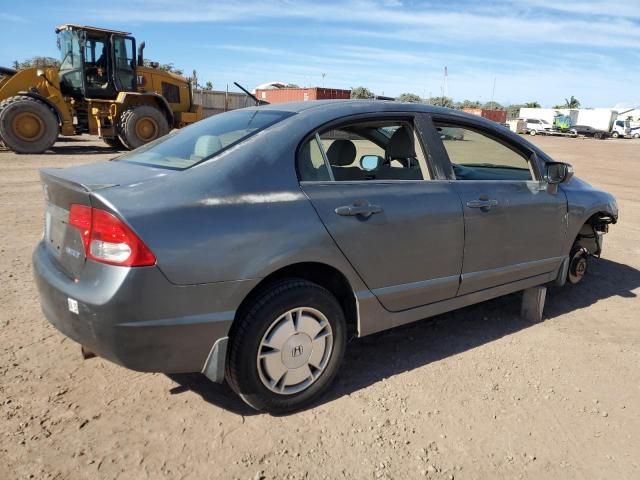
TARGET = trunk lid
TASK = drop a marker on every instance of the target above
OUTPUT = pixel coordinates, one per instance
(65, 187)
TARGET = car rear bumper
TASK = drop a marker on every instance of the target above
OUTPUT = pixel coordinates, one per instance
(134, 316)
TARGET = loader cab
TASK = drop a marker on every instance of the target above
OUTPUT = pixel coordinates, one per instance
(96, 63)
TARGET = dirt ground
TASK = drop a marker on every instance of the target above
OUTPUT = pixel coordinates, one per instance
(473, 394)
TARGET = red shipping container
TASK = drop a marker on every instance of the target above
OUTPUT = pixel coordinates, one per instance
(499, 116)
(282, 95)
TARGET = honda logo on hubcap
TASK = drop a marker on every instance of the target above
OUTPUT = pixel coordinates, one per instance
(296, 351)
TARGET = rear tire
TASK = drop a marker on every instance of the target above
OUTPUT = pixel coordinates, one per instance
(115, 143)
(306, 321)
(27, 125)
(532, 132)
(141, 124)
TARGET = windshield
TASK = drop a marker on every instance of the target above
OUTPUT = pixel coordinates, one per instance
(204, 139)
(69, 45)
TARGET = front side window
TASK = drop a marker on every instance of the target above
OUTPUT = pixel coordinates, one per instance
(204, 139)
(476, 156)
(384, 150)
(96, 62)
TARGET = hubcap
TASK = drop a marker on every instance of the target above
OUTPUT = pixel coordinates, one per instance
(28, 126)
(295, 350)
(147, 129)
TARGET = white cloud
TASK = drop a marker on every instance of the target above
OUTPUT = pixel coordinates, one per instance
(506, 21)
(540, 49)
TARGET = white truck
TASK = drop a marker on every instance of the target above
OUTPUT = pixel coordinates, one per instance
(621, 128)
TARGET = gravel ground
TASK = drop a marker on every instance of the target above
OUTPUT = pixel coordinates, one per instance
(476, 393)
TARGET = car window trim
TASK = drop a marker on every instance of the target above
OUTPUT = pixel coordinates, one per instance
(324, 157)
(437, 159)
(527, 153)
(369, 182)
(413, 116)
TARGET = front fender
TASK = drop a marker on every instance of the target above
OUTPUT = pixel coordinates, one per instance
(584, 201)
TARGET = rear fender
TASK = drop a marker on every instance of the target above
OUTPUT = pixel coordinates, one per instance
(126, 99)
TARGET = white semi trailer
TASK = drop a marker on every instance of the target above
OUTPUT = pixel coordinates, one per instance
(600, 118)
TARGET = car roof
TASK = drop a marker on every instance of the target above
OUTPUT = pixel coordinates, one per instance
(343, 108)
(354, 106)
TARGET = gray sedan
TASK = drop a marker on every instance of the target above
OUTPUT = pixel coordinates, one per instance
(254, 244)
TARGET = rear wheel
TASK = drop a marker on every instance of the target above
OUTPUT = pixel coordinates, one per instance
(27, 125)
(141, 124)
(287, 347)
(532, 132)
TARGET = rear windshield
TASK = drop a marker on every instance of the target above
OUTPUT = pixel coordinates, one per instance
(201, 141)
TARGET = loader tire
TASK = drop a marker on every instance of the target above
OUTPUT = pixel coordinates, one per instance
(27, 125)
(114, 143)
(141, 124)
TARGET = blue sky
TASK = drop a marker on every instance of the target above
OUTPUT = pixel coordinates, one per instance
(542, 50)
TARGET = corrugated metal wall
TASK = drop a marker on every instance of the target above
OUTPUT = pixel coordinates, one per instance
(214, 101)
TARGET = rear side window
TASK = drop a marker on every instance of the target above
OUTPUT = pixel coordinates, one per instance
(203, 140)
(311, 163)
(371, 150)
(476, 156)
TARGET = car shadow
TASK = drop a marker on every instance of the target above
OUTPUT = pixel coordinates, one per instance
(370, 359)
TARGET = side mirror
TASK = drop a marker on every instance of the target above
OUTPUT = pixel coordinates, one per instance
(558, 172)
(370, 162)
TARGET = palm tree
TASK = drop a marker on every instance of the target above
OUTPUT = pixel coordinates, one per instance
(572, 102)
(533, 104)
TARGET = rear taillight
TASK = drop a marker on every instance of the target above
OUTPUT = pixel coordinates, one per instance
(108, 239)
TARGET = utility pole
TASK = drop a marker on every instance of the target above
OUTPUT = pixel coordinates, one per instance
(323, 75)
(493, 92)
(445, 85)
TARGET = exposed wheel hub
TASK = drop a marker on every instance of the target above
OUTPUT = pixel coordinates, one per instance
(578, 266)
(295, 350)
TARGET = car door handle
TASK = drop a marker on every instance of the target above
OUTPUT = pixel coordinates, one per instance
(484, 204)
(362, 210)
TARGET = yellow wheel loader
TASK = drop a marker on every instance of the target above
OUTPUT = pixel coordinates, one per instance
(100, 88)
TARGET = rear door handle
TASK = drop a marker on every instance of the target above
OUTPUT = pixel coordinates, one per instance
(484, 204)
(358, 210)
